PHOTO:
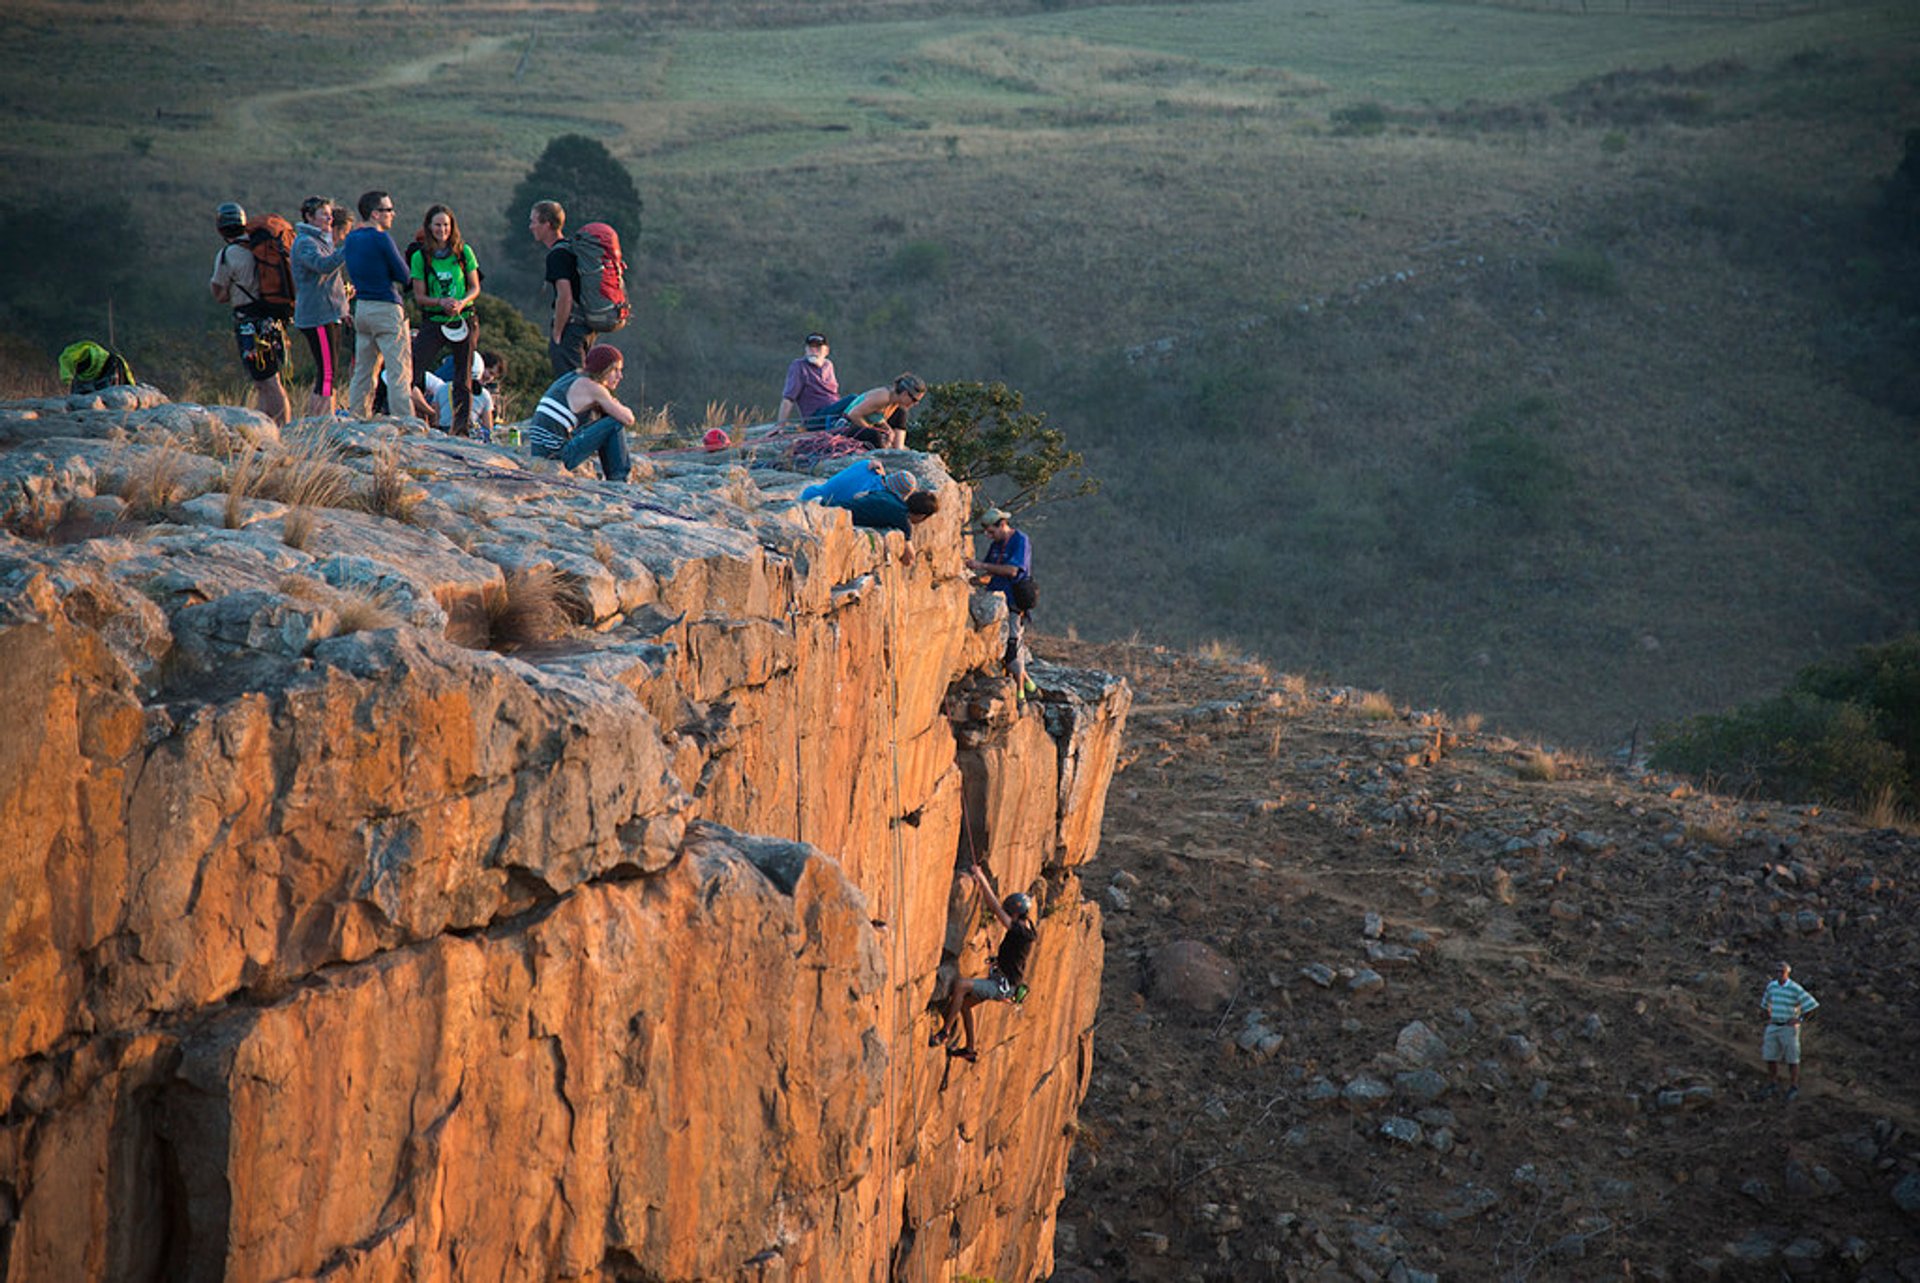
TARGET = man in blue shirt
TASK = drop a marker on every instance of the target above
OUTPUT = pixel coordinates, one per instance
(1008, 567)
(378, 275)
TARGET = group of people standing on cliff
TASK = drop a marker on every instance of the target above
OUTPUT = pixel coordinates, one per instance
(332, 274)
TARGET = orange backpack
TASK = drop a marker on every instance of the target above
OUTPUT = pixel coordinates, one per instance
(270, 241)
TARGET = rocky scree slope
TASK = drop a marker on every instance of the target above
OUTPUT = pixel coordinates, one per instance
(1387, 998)
(354, 924)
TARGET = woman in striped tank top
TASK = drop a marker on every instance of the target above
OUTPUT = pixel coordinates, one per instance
(556, 431)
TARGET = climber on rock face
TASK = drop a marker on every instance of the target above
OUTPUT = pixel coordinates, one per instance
(1003, 981)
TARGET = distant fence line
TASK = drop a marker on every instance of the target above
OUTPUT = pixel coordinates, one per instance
(1679, 8)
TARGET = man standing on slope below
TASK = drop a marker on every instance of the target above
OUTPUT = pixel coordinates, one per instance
(1786, 1005)
(568, 337)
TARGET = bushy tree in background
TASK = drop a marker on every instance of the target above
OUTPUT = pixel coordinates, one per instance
(589, 183)
(981, 430)
(52, 295)
(1843, 733)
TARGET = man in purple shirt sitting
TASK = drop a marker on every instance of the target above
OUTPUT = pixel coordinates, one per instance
(378, 274)
(811, 385)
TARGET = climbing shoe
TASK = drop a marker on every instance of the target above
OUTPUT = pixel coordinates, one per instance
(967, 1054)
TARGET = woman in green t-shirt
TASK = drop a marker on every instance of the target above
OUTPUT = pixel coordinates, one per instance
(446, 281)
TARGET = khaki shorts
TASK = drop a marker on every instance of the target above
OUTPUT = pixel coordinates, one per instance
(1782, 1042)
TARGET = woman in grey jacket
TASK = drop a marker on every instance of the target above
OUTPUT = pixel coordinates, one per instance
(320, 298)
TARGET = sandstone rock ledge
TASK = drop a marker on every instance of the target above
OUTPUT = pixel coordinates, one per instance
(336, 944)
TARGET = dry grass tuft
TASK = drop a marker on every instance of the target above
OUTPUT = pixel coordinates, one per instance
(1883, 810)
(242, 482)
(307, 473)
(152, 482)
(296, 528)
(1472, 722)
(390, 491)
(1293, 684)
(1716, 831)
(653, 423)
(358, 609)
(1376, 706)
(603, 551)
(741, 490)
(361, 610)
(531, 607)
(1544, 766)
(1215, 651)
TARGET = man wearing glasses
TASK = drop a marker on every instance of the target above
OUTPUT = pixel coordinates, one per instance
(378, 275)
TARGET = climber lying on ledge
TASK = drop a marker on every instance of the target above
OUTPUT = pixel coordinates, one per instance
(1004, 980)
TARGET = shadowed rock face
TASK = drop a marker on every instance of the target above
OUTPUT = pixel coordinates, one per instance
(334, 945)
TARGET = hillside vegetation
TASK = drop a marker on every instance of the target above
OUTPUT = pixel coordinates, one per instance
(1551, 365)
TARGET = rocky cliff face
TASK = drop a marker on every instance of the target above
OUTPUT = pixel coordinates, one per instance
(337, 944)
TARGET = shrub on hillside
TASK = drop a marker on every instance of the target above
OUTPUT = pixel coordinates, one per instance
(982, 430)
(1585, 269)
(1510, 461)
(1840, 733)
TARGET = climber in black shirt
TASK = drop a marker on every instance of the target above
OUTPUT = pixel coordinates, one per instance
(1004, 980)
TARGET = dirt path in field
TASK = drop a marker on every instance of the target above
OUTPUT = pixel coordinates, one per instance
(255, 113)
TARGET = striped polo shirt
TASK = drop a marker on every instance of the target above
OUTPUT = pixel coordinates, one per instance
(1785, 1001)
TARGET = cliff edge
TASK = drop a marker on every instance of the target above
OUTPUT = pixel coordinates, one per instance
(357, 924)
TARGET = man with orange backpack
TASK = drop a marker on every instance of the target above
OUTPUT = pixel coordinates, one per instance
(257, 282)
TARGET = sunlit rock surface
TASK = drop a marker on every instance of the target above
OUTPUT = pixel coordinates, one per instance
(347, 930)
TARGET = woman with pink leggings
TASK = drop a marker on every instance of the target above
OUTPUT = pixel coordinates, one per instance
(320, 295)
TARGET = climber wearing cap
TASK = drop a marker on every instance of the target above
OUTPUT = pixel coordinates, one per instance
(1008, 569)
(259, 335)
(446, 281)
(811, 385)
(556, 431)
(1005, 979)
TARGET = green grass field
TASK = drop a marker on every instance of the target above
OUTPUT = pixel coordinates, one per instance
(1528, 362)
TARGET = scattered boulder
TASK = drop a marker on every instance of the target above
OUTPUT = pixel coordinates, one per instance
(1193, 978)
(1420, 1046)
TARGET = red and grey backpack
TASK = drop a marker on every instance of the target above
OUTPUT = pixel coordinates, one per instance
(603, 277)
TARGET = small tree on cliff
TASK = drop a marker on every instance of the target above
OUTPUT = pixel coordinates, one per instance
(981, 430)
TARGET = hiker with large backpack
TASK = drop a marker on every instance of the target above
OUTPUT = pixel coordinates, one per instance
(1005, 980)
(446, 281)
(587, 277)
(380, 335)
(320, 298)
(252, 275)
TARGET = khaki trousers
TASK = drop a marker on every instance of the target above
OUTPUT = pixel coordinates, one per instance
(380, 337)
